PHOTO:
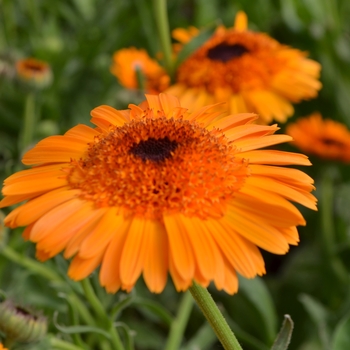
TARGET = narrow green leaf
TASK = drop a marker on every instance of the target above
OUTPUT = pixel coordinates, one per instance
(319, 316)
(156, 308)
(124, 302)
(257, 293)
(203, 339)
(341, 337)
(284, 336)
(194, 44)
(79, 329)
(128, 333)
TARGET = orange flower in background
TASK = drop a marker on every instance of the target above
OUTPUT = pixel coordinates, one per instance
(156, 189)
(324, 138)
(250, 71)
(36, 72)
(2, 347)
(126, 62)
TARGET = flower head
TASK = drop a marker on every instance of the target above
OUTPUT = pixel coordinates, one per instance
(250, 71)
(156, 189)
(2, 347)
(21, 325)
(35, 72)
(127, 63)
(325, 138)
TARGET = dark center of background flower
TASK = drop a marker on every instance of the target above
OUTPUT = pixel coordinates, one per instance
(332, 142)
(153, 149)
(34, 67)
(225, 52)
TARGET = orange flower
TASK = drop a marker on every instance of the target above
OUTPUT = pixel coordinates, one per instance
(126, 62)
(250, 71)
(324, 138)
(2, 347)
(156, 189)
(31, 70)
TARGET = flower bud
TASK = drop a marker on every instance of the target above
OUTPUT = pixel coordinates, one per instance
(19, 324)
(34, 72)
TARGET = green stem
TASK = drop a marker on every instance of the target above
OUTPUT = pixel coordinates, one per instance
(161, 17)
(328, 229)
(59, 344)
(29, 121)
(31, 264)
(179, 324)
(214, 317)
(93, 299)
(101, 313)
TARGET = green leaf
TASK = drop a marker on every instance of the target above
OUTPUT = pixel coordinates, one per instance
(319, 316)
(341, 337)
(128, 333)
(194, 44)
(125, 301)
(79, 329)
(156, 309)
(284, 336)
(257, 293)
(203, 339)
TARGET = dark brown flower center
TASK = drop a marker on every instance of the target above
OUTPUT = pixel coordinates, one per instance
(34, 67)
(332, 142)
(225, 52)
(153, 149)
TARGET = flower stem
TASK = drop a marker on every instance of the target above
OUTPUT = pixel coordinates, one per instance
(29, 121)
(101, 313)
(161, 17)
(59, 344)
(29, 263)
(179, 324)
(214, 317)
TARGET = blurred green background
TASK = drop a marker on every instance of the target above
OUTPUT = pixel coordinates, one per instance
(77, 38)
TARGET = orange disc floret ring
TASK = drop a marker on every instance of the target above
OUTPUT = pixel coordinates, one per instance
(155, 189)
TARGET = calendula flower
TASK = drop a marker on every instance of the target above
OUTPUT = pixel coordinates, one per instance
(156, 189)
(250, 71)
(127, 63)
(35, 72)
(325, 138)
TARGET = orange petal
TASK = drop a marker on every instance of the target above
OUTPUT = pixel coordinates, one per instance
(255, 231)
(273, 157)
(232, 121)
(243, 255)
(156, 260)
(201, 245)
(134, 251)
(80, 268)
(287, 191)
(102, 234)
(110, 267)
(249, 144)
(110, 115)
(56, 149)
(47, 223)
(37, 207)
(180, 247)
(168, 103)
(61, 234)
(241, 22)
(82, 132)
